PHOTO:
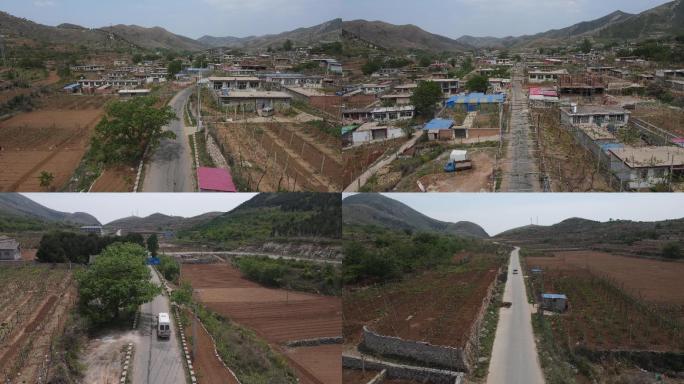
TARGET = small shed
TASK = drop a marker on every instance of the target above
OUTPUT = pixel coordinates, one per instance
(215, 180)
(555, 302)
(440, 129)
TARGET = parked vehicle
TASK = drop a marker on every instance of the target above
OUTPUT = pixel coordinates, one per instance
(163, 325)
(458, 161)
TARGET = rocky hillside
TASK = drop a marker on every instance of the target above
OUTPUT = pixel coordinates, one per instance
(155, 38)
(381, 211)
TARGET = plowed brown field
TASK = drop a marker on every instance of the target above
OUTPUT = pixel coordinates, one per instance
(276, 315)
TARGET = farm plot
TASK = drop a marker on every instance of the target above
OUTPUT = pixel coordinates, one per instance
(604, 317)
(34, 304)
(276, 315)
(268, 163)
(438, 306)
(51, 140)
(358, 159)
(652, 280)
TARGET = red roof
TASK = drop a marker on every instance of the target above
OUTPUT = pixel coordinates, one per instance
(215, 180)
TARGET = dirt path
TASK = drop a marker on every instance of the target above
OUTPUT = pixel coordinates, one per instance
(208, 367)
(103, 356)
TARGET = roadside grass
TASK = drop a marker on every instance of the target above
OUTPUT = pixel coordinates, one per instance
(488, 331)
(250, 357)
(205, 159)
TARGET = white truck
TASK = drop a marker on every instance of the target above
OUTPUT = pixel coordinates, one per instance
(163, 326)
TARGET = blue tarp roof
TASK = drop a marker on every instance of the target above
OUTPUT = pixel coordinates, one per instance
(439, 124)
(476, 98)
(73, 86)
(554, 296)
(608, 146)
(349, 128)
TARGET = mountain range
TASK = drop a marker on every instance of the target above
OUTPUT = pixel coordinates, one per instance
(14, 204)
(381, 211)
(666, 19)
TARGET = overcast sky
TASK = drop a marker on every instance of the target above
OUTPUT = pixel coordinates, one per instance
(107, 207)
(499, 212)
(195, 18)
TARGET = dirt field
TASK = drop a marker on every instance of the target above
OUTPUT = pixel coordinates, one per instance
(34, 302)
(52, 140)
(208, 367)
(119, 179)
(478, 179)
(436, 306)
(276, 315)
(654, 281)
(604, 317)
(358, 159)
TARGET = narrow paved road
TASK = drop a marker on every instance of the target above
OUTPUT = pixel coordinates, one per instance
(157, 361)
(363, 179)
(514, 356)
(170, 168)
(521, 173)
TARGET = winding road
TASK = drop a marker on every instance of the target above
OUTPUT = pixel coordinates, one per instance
(514, 356)
(157, 361)
(170, 167)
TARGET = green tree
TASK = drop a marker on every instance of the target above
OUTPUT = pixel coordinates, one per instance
(586, 45)
(478, 83)
(425, 98)
(672, 251)
(175, 67)
(137, 58)
(200, 61)
(153, 244)
(116, 283)
(370, 67)
(287, 46)
(425, 61)
(128, 128)
(46, 178)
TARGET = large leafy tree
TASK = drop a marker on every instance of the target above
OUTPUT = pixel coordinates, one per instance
(153, 244)
(128, 128)
(116, 283)
(425, 98)
(478, 83)
(175, 67)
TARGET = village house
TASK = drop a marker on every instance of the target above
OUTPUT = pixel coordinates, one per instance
(235, 83)
(331, 66)
(88, 68)
(404, 112)
(254, 100)
(476, 102)
(599, 115)
(543, 97)
(375, 131)
(498, 85)
(449, 86)
(292, 80)
(646, 167)
(397, 98)
(131, 93)
(537, 76)
(10, 250)
(374, 89)
(585, 84)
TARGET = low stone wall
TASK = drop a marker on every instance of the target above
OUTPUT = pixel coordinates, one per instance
(456, 358)
(443, 356)
(315, 342)
(407, 372)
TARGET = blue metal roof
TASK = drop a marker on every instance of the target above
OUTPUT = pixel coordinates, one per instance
(72, 86)
(476, 98)
(554, 296)
(439, 124)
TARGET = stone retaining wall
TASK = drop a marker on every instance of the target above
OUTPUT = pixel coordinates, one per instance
(315, 342)
(407, 372)
(443, 356)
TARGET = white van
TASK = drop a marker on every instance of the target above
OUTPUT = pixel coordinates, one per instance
(163, 325)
